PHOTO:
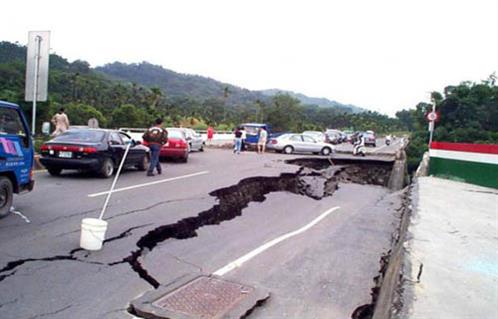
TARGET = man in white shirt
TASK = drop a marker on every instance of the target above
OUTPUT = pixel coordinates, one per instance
(263, 136)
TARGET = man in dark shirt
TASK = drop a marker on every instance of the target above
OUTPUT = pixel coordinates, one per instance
(155, 137)
(238, 140)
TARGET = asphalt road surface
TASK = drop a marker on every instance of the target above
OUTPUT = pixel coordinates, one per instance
(325, 271)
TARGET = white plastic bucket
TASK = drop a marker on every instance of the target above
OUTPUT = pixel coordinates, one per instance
(92, 233)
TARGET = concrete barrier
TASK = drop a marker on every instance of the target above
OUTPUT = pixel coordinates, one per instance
(470, 163)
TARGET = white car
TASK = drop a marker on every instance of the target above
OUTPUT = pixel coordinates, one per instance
(299, 143)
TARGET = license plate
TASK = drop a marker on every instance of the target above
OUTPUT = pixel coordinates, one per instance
(66, 154)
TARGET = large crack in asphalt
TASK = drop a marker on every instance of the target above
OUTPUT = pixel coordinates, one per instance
(231, 201)
(315, 179)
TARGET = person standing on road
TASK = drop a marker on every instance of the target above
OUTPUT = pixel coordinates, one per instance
(210, 133)
(244, 136)
(61, 122)
(238, 140)
(155, 137)
(263, 136)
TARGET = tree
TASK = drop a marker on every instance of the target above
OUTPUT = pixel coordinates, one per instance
(128, 115)
(284, 112)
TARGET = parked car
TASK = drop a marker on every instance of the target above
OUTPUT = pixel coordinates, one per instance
(317, 135)
(370, 138)
(299, 143)
(96, 150)
(334, 136)
(348, 136)
(16, 155)
(177, 146)
(194, 139)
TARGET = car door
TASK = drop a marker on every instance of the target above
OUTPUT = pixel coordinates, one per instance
(310, 144)
(135, 153)
(297, 143)
(116, 147)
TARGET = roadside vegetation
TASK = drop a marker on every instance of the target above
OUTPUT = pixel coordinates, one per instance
(468, 114)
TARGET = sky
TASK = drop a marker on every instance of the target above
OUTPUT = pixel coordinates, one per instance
(385, 55)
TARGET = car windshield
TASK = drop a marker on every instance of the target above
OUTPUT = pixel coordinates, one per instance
(86, 136)
(10, 122)
(252, 130)
(172, 133)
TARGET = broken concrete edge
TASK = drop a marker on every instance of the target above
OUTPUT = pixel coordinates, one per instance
(389, 298)
(399, 172)
(143, 306)
(423, 167)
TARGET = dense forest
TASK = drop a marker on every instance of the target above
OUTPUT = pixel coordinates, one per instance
(468, 114)
(107, 94)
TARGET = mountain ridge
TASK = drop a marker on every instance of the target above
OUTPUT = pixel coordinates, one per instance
(177, 84)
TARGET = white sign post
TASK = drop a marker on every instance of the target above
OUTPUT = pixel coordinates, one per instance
(432, 117)
(37, 69)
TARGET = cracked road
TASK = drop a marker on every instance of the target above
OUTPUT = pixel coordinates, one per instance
(198, 224)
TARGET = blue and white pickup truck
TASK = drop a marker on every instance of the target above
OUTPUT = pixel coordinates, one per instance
(16, 155)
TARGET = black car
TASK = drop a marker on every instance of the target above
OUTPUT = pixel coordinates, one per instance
(96, 150)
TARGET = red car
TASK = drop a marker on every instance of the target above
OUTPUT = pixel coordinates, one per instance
(177, 146)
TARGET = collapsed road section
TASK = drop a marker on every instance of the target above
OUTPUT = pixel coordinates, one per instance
(316, 179)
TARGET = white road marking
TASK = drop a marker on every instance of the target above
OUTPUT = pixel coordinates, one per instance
(18, 213)
(148, 184)
(237, 263)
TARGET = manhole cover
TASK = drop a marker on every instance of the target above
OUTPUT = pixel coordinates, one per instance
(199, 296)
(204, 297)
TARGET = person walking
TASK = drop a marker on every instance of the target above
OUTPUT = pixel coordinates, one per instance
(263, 136)
(155, 137)
(61, 122)
(238, 140)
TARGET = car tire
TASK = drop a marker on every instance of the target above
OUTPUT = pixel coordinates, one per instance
(54, 171)
(288, 149)
(144, 163)
(107, 168)
(326, 151)
(185, 158)
(189, 149)
(6, 196)
(202, 148)
(375, 145)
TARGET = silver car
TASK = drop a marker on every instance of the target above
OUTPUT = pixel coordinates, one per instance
(299, 143)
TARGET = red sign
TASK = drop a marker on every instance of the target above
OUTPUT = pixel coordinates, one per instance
(432, 116)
